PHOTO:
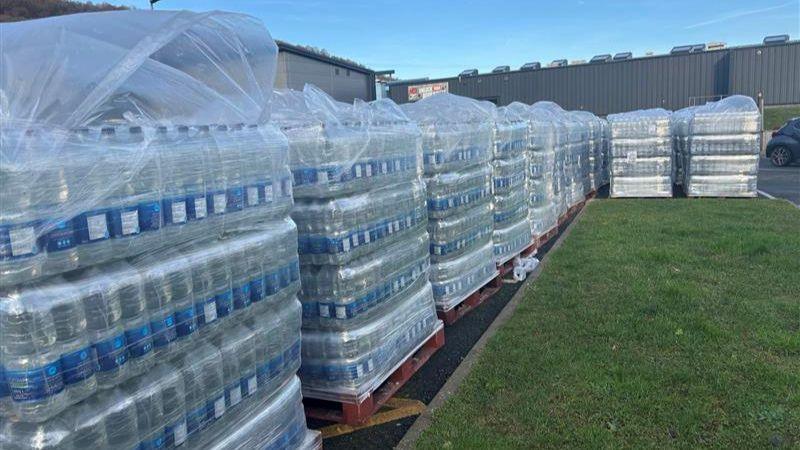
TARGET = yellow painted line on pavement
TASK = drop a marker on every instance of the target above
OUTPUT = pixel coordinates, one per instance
(393, 409)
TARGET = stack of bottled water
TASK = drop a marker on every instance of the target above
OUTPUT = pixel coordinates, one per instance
(605, 147)
(641, 154)
(720, 148)
(512, 231)
(541, 171)
(457, 145)
(562, 173)
(149, 269)
(593, 168)
(679, 127)
(363, 241)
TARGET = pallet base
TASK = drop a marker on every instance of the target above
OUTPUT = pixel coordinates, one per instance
(545, 237)
(358, 413)
(474, 300)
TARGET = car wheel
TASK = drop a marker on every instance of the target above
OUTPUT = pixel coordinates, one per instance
(781, 156)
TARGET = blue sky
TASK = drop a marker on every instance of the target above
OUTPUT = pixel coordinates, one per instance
(436, 39)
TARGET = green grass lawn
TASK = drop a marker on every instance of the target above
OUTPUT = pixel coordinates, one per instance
(658, 323)
(776, 116)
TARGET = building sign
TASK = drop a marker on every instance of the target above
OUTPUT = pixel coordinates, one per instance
(421, 91)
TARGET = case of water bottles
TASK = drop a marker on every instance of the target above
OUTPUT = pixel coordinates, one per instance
(720, 144)
(458, 147)
(509, 200)
(541, 174)
(363, 240)
(641, 158)
(148, 265)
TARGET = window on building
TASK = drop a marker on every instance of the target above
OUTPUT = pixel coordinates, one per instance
(348, 72)
(336, 71)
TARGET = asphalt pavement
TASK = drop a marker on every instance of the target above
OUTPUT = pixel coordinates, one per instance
(781, 182)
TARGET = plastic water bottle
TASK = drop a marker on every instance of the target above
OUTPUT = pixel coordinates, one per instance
(103, 325)
(21, 257)
(239, 258)
(146, 394)
(228, 345)
(55, 200)
(51, 435)
(88, 427)
(124, 215)
(183, 188)
(119, 415)
(229, 146)
(205, 393)
(161, 277)
(220, 269)
(181, 291)
(31, 355)
(77, 357)
(173, 401)
(138, 334)
(215, 183)
(146, 192)
(92, 175)
(205, 308)
(5, 394)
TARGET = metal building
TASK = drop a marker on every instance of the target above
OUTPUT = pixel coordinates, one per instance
(342, 80)
(669, 81)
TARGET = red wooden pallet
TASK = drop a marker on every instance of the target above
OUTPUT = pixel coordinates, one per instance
(545, 237)
(592, 194)
(473, 301)
(358, 413)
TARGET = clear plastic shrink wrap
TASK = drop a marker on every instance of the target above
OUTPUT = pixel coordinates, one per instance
(641, 158)
(721, 145)
(593, 168)
(509, 167)
(541, 176)
(363, 241)
(143, 227)
(458, 144)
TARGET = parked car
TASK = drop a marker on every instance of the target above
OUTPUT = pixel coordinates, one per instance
(784, 147)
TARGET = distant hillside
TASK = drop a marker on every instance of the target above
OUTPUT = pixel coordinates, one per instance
(16, 10)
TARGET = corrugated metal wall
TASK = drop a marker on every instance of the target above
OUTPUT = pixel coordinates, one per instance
(774, 71)
(667, 81)
(294, 71)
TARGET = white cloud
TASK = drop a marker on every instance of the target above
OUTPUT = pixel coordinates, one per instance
(738, 14)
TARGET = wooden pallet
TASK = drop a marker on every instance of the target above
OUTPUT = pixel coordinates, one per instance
(360, 412)
(546, 237)
(474, 300)
(591, 194)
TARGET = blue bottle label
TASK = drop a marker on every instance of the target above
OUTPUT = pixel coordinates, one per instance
(185, 323)
(155, 443)
(196, 206)
(164, 331)
(77, 366)
(60, 237)
(272, 283)
(175, 211)
(175, 433)
(196, 419)
(110, 354)
(139, 341)
(235, 199)
(215, 408)
(257, 290)
(224, 303)
(241, 296)
(149, 216)
(4, 392)
(36, 384)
